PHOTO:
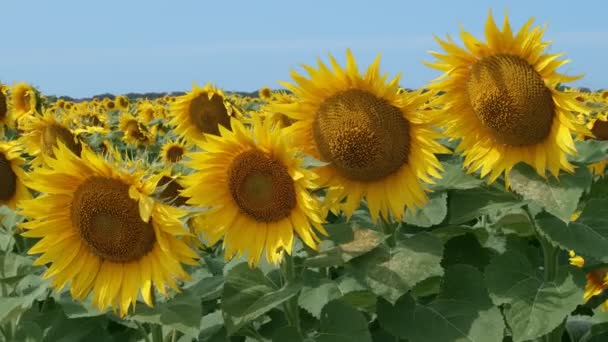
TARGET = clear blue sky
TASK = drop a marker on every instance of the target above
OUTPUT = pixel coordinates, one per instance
(82, 48)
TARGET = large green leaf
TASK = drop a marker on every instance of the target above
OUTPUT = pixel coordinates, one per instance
(455, 177)
(341, 322)
(535, 306)
(558, 196)
(462, 312)
(587, 235)
(590, 151)
(248, 294)
(391, 272)
(467, 205)
(364, 240)
(433, 213)
(316, 292)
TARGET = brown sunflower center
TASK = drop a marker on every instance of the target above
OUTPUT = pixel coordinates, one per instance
(175, 153)
(261, 186)
(363, 136)
(111, 105)
(600, 130)
(8, 179)
(3, 106)
(108, 220)
(172, 191)
(53, 133)
(207, 114)
(123, 102)
(511, 100)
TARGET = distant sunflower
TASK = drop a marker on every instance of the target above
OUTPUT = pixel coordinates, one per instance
(4, 117)
(135, 132)
(599, 129)
(23, 100)
(376, 143)
(146, 112)
(173, 151)
(102, 232)
(265, 93)
(257, 190)
(109, 104)
(201, 112)
(122, 102)
(41, 134)
(12, 188)
(501, 99)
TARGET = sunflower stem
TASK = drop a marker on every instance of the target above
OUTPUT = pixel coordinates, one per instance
(157, 333)
(292, 311)
(389, 230)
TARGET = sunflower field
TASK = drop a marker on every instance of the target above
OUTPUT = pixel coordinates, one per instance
(342, 208)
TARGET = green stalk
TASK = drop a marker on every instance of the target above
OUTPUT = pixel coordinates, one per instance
(292, 311)
(157, 333)
(389, 230)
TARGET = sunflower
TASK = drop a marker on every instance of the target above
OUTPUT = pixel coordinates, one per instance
(4, 118)
(502, 100)
(122, 102)
(173, 151)
(146, 112)
(43, 132)
(265, 93)
(171, 190)
(109, 104)
(23, 100)
(373, 139)
(12, 188)
(597, 279)
(135, 132)
(599, 129)
(201, 112)
(255, 185)
(102, 232)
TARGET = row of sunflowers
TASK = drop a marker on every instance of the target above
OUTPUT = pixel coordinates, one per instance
(121, 198)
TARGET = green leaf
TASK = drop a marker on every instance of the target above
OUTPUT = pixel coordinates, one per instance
(182, 312)
(391, 272)
(210, 325)
(467, 205)
(364, 240)
(590, 151)
(558, 196)
(536, 307)
(455, 177)
(287, 333)
(465, 249)
(462, 312)
(248, 294)
(316, 292)
(341, 322)
(433, 213)
(587, 235)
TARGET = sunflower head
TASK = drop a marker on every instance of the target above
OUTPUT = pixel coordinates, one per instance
(4, 119)
(102, 232)
(257, 190)
(135, 132)
(24, 99)
(12, 176)
(502, 100)
(201, 111)
(42, 133)
(265, 93)
(109, 104)
(173, 151)
(372, 137)
(122, 102)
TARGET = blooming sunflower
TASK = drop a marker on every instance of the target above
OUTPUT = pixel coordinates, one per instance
(135, 132)
(122, 102)
(102, 232)
(597, 279)
(201, 112)
(23, 100)
(256, 188)
(501, 99)
(374, 139)
(599, 129)
(265, 93)
(43, 132)
(173, 151)
(4, 118)
(12, 188)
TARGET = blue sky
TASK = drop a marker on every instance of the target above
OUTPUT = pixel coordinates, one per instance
(83, 48)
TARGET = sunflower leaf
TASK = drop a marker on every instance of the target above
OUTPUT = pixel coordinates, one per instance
(341, 322)
(316, 292)
(462, 311)
(590, 151)
(433, 213)
(558, 196)
(467, 205)
(363, 241)
(391, 272)
(588, 234)
(535, 306)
